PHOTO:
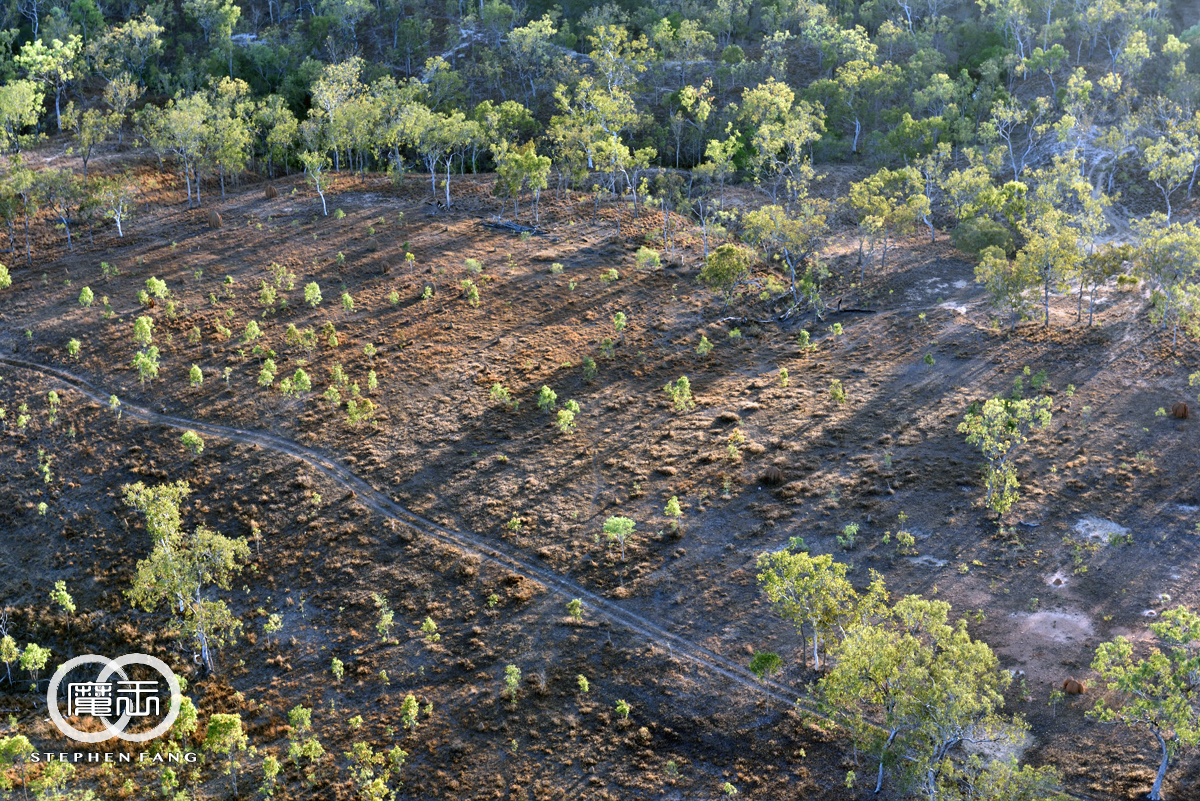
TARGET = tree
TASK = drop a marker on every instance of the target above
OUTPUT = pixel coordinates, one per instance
(20, 108)
(337, 85)
(216, 19)
(518, 166)
(226, 736)
(52, 64)
(315, 167)
(1169, 164)
(1096, 270)
(9, 653)
(181, 568)
(62, 191)
(725, 269)
(115, 197)
(783, 129)
(814, 590)
(1158, 690)
(1168, 256)
(913, 685)
(796, 236)
(618, 530)
(15, 751)
(889, 203)
(1006, 281)
(34, 659)
(998, 429)
(121, 93)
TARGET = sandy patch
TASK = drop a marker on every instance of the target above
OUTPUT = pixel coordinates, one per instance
(1097, 528)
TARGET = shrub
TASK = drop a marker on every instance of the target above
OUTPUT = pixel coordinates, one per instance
(430, 630)
(86, 297)
(347, 303)
(582, 682)
(589, 368)
(680, 393)
(500, 393)
(195, 376)
(848, 536)
(143, 331)
(783, 376)
(673, 509)
(837, 391)
(267, 295)
(266, 376)
(976, 235)
(608, 276)
(470, 292)
(252, 333)
(566, 419)
(394, 297)
(556, 269)
(725, 269)
(512, 680)
(647, 258)
(157, 287)
(705, 347)
(765, 663)
(73, 348)
(623, 709)
(300, 382)
(337, 669)
(192, 441)
(546, 398)
(5, 278)
(312, 294)
(575, 609)
(619, 322)
(473, 266)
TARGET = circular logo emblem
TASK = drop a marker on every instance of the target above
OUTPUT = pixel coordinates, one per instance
(106, 697)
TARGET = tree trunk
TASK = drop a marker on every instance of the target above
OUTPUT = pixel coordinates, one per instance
(879, 780)
(1156, 790)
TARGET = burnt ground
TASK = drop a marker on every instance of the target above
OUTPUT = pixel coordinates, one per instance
(1042, 596)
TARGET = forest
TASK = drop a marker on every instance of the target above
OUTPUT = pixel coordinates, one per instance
(673, 399)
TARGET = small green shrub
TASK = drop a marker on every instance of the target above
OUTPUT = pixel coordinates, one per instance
(680, 393)
(647, 258)
(546, 398)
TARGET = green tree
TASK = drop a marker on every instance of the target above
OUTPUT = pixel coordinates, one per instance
(1156, 691)
(618, 530)
(316, 166)
(889, 204)
(725, 269)
(15, 752)
(1006, 281)
(796, 237)
(114, 196)
(91, 128)
(225, 736)
(814, 590)
(9, 653)
(62, 191)
(998, 429)
(34, 659)
(20, 108)
(910, 686)
(53, 64)
(181, 569)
